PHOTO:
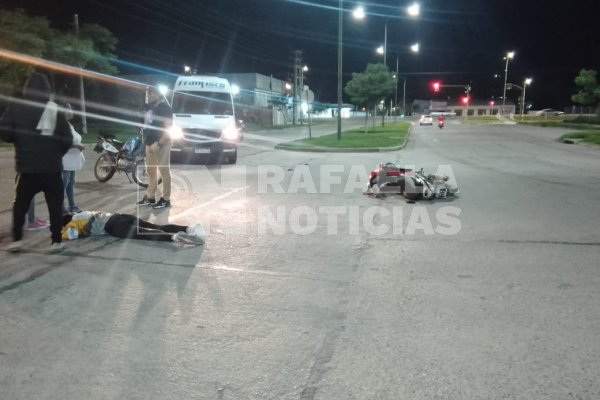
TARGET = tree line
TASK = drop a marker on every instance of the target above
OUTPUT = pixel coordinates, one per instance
(93, 48)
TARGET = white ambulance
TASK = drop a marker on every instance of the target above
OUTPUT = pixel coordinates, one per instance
(204, 120)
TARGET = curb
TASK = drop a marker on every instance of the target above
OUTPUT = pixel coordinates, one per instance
(317, 149)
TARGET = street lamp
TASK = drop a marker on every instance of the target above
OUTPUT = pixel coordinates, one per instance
(525, 83)
(358, 13)
(415, 49)
(414, 10)
(509, 56)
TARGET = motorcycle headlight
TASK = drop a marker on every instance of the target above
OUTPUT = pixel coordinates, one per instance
(230, 133)
(176, 132)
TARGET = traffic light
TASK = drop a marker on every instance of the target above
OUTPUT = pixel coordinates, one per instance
(465, 100)
(492, 103)
(435, 86)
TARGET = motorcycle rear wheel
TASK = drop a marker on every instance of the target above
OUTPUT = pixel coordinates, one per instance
(105, 168)
(140, 173)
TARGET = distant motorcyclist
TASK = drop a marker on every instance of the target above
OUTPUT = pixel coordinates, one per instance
(441, 121)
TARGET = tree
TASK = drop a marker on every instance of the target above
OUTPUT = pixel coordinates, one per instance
(104, 46)
(589, 92)
(369, 88)
(23, 34)
(92, 49)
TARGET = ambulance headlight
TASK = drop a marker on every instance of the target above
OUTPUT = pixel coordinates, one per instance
(230, 133)
(176, 132)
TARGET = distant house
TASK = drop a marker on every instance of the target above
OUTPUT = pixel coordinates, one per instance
(476, 108)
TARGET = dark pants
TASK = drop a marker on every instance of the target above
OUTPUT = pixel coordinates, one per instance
(26, 187)
(127, 226)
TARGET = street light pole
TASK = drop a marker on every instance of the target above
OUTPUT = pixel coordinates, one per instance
(509, 56)
(385, 44)
(525, 83)
(339, 83)
(81, 88)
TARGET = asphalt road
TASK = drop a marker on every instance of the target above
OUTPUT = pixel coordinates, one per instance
(307, 289)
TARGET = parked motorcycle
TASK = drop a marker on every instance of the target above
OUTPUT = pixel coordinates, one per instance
(125, 157)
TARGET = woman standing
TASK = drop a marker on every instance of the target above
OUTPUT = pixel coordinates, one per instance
(73, 161)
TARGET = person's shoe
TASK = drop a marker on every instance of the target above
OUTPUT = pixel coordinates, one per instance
(75, 209)
(162, 203)
(196, 230)
(37, 225)
(182, 237)
(146, 201)
(15, 247)
(56, 248)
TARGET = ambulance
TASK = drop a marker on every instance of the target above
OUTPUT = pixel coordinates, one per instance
(204, 125)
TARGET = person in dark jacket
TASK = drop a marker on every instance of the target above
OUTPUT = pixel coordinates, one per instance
(41, 136)
(157, 121)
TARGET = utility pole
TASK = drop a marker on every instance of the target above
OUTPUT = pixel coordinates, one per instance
(339, 69)
(81, 91)
(396, 89)
(298, 82)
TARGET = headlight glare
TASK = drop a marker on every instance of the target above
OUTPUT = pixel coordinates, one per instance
(175, 132)
(230, 133)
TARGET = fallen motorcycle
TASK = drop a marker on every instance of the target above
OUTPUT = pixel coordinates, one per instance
(413, 185)
(117, 156)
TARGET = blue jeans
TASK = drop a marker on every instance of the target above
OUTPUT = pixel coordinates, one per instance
(31, 212)
(68, 178)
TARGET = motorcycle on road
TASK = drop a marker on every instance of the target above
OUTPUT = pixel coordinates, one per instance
(116, 156)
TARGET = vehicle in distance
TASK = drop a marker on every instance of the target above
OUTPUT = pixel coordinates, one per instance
(548, 112)
(444, 113)
(426, 120)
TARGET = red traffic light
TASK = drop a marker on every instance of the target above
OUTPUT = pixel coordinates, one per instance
(435, 86)
(492, 103)
(465, 99)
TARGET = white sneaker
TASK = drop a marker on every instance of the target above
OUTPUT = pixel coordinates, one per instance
(57, 248)
(183, 237)
(15, 247)
(197, 230)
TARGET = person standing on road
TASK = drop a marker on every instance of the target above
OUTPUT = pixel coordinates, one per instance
(157, 120)
(72, 161)
(41, 137)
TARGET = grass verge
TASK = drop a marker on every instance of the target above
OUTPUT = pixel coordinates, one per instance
(558, 122)
(392, 135)
(585, 136)
(481, 120)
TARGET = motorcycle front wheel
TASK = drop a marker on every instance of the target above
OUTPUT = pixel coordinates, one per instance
(105, 167)
(140, 173)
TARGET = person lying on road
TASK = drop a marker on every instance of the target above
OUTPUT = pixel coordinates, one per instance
(126, 226)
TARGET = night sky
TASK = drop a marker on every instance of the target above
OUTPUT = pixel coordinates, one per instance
(461, 41)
